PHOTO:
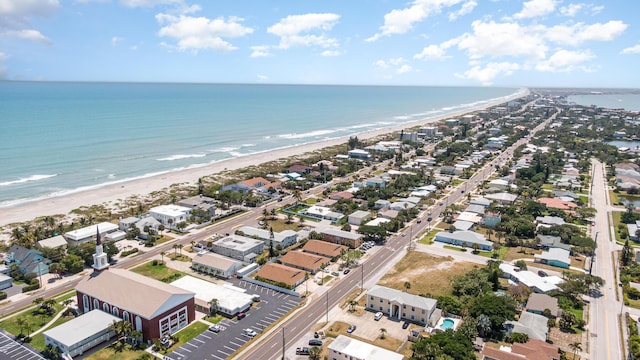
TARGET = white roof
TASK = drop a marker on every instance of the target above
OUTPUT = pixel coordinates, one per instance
(555, 254)
(237, 242)
(377, 222)
(53, 242)
(530, 279)
(229, 297)
(82, 327)
(170, 210)
(402, 297)
(90, 231)
(361, 350)
(360, 214)
(266, 234)
(469, 216)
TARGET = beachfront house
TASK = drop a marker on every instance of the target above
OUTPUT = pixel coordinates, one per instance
(359, 154)
(28, 261)
(341, 237)
(87, 234)
(170, 215)
(202, 206)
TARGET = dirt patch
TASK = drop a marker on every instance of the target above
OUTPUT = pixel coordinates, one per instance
(427, 274)
(563, 339)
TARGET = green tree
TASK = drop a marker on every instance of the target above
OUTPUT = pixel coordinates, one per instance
(383, 331)
(497, 308)
(575, 346)
(407, 286)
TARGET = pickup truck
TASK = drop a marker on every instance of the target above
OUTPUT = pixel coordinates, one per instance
(302, 351)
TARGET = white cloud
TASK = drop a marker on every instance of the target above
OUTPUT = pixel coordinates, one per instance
(465, 9)
(297, 30)
(28, 8)
(535, 8)
(565, 61)
(116, 40)
(262, 78)
(432, 52)
(330, 53)
(501, 39)
(28, 34)
(198, 33)
(260, 51)
(635, 49)
(579, 33)
(486, 75)
(404, 69)
(397, 61)
(571, 10)
(381, 64)
(149, 3)
(400, 21)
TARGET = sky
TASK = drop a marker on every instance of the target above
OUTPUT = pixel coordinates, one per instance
(535, 43)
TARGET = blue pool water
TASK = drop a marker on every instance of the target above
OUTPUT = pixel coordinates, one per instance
(447, 324)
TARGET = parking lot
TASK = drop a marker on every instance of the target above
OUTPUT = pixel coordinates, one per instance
(11, 349)
(219, 345)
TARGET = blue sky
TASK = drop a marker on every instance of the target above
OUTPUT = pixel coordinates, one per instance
(560, 43)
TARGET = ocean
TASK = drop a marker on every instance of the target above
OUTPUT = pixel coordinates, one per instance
(629, 102)
(59, 138)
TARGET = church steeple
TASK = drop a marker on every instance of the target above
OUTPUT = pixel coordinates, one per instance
(100, 257)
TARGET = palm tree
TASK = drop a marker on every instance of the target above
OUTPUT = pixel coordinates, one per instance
(180, 246)
(314, 353)
(170, 222)
(352, 305)
(298, 195)
(175, 251)
(383, 331)
(575, 346)
(213, 306)
(161, 228)
(21, 322)
(162, 254)
(28, 326)
(265, 215)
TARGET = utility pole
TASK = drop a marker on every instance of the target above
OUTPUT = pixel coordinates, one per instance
(362, 277)
(283, 343)
(327, 306)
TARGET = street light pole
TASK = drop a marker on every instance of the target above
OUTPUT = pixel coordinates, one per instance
(362, 277)
(283, 343)
(327, 306)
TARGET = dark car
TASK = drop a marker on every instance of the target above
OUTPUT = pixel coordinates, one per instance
(405, 324)
(315, 342)
(346, 271)
(542, 274)
(241, 315)
(351, 329)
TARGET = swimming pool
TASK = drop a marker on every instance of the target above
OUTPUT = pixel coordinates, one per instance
(447, 324)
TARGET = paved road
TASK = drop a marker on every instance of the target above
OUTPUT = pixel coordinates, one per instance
(605, 341)
(295, 328)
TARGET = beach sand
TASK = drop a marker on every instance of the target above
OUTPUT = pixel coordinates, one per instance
(64, 204)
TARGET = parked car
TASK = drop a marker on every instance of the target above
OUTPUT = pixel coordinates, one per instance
(405, 324)
(215, 328)
(302, 351)
(241, 315)
(346, 271)
(351, 329)
(249, 333)
(377, 316)
(542, 273)
(315, 342)
(335, 273)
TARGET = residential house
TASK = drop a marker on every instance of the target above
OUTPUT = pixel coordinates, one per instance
(170, 215)
(502, 198)
(359, 154)
(476, 209)
(555, 203)
(201, 205)
(555, 257)
(531, 350)
(238, 247)
(57, 241)
(284, 238)
(549, 242)
(549, 221)
(464, 238)
(282, 274)
(401, 305)
(533, 325)
(382, 204)
(29, 261)
(87, 234)
(492, 219)
(5, 281)
(344, 347)
(341, 237)
(339, 195)
(323, 213)
(402, 205)
(481, 201)
(216, 265)
(633, 230)
(538, 303)
(531, 280)
(299, 168)
(463, 225)
(388, 214)
(358, 217)
(146, 226)
(305, 261)
(324, 248)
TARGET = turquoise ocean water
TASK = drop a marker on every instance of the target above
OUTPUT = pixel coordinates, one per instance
(630, 102)
(58, 138)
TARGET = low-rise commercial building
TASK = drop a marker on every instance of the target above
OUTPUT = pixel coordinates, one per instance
(225, 299)
(341, 237)
(401, 305)
(87, 234)
(324, 248)
(83, 333)
(281, 275)
(238, 247)
(284, 238)
(216, 265)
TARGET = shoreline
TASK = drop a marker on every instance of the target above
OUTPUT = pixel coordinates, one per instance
(64, 204)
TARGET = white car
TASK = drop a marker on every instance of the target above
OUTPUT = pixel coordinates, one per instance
(249, 333)
(377, 316)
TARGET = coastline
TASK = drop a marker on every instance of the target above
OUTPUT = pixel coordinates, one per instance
(62, 205)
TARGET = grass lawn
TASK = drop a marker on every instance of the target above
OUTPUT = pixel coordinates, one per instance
(179, 257)
(513, 253)
(613, 196)
(158, 272)
(433, 276)
(186, 334)
(35, 320)
(547, 186)
(38, 341)
(428, 238)
(214, 319)
(115, 351)
(634, 303)
(281, 225)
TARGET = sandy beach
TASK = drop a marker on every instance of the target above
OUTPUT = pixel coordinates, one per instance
(64, 204)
